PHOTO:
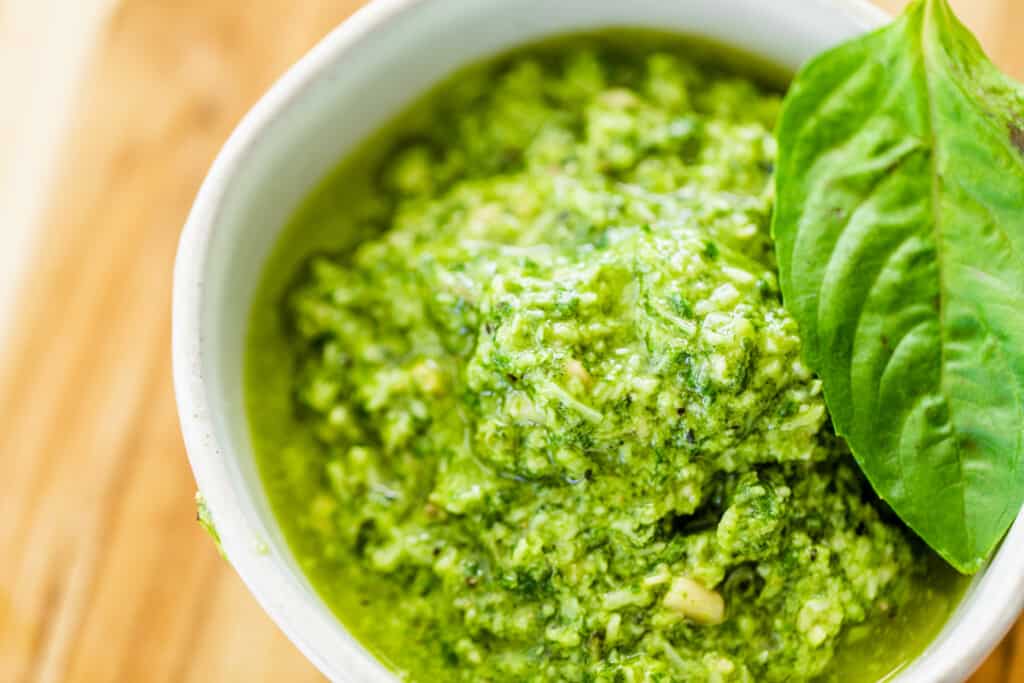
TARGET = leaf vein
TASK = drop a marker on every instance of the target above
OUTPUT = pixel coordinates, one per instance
(940, 245)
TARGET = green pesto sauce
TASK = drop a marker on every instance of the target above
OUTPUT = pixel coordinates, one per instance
(528, 406)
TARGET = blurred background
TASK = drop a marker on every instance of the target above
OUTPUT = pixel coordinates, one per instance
(112, 112)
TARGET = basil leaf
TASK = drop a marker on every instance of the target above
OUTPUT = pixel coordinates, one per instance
(899, 228)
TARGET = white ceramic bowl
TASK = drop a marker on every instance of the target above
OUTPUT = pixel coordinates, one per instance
(355, 80)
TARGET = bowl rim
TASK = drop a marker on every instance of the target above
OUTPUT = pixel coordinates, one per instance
(1003, 577)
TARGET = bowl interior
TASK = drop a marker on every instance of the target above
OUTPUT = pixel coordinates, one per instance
(350, 85)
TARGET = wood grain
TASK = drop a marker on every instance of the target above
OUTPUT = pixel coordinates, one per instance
(104, 575)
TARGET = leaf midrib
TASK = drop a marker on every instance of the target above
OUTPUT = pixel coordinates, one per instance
(940, 247)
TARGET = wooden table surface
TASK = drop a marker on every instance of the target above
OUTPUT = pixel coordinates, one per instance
(104, 574)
